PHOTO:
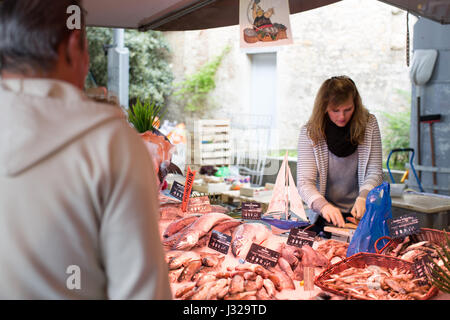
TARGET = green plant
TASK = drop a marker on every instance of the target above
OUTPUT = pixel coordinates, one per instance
(396, 134)
(143, 116)
(440, 277)
(193, 91)
(150, 74)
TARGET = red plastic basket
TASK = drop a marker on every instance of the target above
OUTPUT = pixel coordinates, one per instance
(425, 234)
(362, 260)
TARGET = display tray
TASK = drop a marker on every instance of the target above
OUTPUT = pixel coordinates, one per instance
(362, 260)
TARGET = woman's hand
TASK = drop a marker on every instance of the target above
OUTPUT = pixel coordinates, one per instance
(359, 208)
(333, 215)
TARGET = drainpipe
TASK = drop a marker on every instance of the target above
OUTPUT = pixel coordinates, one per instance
(118, 68)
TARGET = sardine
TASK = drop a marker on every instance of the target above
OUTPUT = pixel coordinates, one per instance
(179, 224)
(245, 235)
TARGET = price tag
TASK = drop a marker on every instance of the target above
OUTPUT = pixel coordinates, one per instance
(177, 190)
(299, 237)
(219, 242)
(188, 189)
(422, 267)
(262, 256)
(251, 210)
(199, 204)
(403, 226)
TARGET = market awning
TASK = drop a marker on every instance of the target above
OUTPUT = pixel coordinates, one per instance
(436, 10)
(177, 15)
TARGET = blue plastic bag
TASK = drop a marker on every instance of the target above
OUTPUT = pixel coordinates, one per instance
(374, 224)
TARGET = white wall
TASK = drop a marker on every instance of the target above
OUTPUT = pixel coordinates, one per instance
(362, 39)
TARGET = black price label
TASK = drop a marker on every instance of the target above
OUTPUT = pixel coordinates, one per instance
(299, 237)
(403, 226)
(199, 204)
(251, 210)
(422, 268)
(177, 190)
(219, 242)
(262, 256)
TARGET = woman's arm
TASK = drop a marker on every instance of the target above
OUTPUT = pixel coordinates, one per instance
(374, 172)
(307, 171)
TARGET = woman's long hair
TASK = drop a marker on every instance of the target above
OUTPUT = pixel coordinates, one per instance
(336, 91)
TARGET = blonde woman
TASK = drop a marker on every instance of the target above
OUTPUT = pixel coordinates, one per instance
(339, 154)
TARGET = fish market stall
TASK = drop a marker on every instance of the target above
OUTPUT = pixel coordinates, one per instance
(214, 252)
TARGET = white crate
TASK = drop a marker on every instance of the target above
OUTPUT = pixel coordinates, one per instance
(210, 142)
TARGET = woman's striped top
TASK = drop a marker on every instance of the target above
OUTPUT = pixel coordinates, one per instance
(312, 163)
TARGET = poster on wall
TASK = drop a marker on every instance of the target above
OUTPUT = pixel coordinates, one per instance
(264, 23)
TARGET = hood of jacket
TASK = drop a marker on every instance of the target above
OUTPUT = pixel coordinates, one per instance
(40, 116)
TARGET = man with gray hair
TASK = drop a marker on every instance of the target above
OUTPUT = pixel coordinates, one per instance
(78, 199)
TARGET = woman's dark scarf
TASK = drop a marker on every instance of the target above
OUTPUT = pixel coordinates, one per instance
(338, 138)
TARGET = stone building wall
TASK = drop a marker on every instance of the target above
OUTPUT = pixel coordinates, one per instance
(363, 39)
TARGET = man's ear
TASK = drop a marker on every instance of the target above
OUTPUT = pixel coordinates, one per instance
(73, 46)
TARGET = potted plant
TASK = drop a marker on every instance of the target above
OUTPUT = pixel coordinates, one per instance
(145, 118)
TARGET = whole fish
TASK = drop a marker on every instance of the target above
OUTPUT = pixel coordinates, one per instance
(280, 279)
(184, 289)
(240, 295)
(183, 259)
(292, 254)
(245, 235)
(216, 289)
(179, 224)
(202, 292)
(254, 285)
(270, 287)
(199, 228)
(223, 292)
(174, 274)
(286, 267)
(222, 227)
(172, 254)
(205, 278)
(237, 284)
(190, 270)
(312, 258)
(262, 294)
